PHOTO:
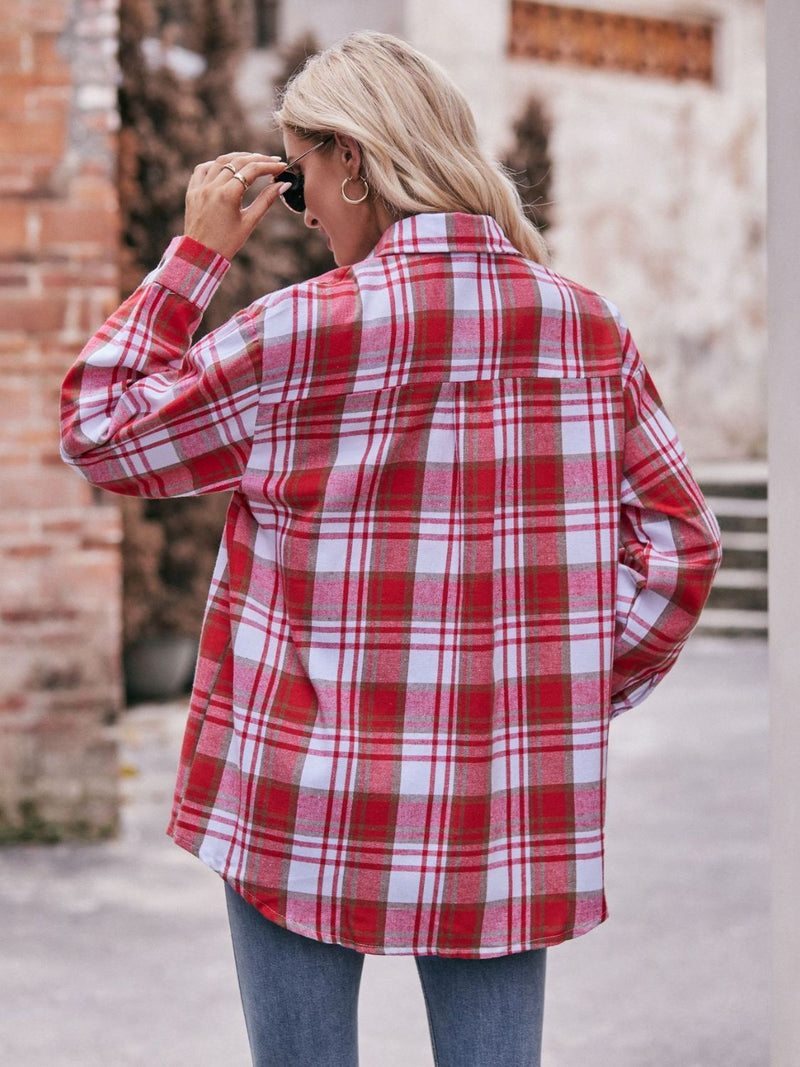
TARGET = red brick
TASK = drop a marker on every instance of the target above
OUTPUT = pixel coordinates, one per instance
(23, 369)
(49, 59)
(33, 314)
(10, 704)
(72, 527)
(49, 101)
(15, 12)
(66, 223)
(103, 528)
(25, 176)
(54, 364)
(42, 443)
(46, 14)
(14, 97)
(19, 363)
(31, 551)
(8, 345)
(42, 137)
(15, 404)
(14, 276)
(22, 102)
(42, 489)
(25, 94)
(13, 226)
(45, 442)
(96, 191)
(11, 54)
(99, 277)
(11, 460)
(40, 601)
(16, 525)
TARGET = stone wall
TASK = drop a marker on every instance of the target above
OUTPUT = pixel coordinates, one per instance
(59, 544)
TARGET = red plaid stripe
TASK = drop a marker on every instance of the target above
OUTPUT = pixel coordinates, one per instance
(462, 538)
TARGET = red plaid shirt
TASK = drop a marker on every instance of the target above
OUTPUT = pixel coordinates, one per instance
(462, 537)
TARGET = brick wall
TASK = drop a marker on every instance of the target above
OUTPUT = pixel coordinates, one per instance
(59, 545)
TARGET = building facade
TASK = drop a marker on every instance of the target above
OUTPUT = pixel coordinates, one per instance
(657, 110)
(657, 114)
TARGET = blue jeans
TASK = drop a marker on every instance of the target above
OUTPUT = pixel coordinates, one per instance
(300, 999)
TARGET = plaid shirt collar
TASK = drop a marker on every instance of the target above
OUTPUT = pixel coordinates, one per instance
(440, 232)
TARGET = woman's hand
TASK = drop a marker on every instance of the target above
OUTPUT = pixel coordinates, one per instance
(214, 213)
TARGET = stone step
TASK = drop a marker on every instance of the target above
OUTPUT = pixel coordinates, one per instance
(744, 597)
(731, 472)
(745, 479)
(737, 506)
(744, 550)
(745, 540)
(733, 623)
(740, 579)
(737, 494)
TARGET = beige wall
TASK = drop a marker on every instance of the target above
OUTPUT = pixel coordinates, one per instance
(660, 192)
(784, 449)
(331, 19)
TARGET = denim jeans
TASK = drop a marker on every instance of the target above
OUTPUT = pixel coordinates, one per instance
(300, 999)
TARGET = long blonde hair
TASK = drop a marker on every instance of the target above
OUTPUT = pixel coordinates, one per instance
(417, 134)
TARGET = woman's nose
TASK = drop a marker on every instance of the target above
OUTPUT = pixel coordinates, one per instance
(310, 220)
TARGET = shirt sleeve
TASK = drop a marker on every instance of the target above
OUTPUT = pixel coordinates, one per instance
(146, 414)
(669, 548)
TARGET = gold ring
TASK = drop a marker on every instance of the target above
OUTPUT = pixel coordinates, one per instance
(230, 167)
(244, 181)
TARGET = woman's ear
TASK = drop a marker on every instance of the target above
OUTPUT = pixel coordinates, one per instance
(349, 152)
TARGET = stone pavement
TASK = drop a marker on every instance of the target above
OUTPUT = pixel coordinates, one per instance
(117, 954)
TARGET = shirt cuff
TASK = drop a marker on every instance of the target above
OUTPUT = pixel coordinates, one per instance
(190, 270)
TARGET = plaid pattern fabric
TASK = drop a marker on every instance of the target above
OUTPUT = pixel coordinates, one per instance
(462, 538)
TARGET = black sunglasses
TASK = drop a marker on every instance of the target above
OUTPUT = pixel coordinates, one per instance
(294, 196)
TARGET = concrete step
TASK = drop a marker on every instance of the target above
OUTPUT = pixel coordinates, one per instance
(743, 478)
(744, 550)
(737, 622)
(737, 494)
(738, 506)
(742, 523)
(740, 579)
(738, 597)
(745, 540)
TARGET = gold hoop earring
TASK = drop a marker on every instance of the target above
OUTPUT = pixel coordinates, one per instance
(361, 199)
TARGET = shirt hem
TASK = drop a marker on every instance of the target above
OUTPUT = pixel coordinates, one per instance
(492, 952)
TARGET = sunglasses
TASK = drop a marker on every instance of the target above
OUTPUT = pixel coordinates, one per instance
(294, 197)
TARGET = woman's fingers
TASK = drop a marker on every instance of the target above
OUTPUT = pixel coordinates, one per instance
(250, 170)
(215, 214)
(232, 157)
(200, 172)
(224, 167)
(233, 162)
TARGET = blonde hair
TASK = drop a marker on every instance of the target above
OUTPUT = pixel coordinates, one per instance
(417, 134)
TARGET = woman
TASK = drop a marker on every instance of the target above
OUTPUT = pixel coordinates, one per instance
(462, 538)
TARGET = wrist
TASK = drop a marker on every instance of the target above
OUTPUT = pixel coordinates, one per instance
(201, 244)
(191, 269)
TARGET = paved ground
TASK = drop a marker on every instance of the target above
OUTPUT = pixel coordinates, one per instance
(105, 964)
